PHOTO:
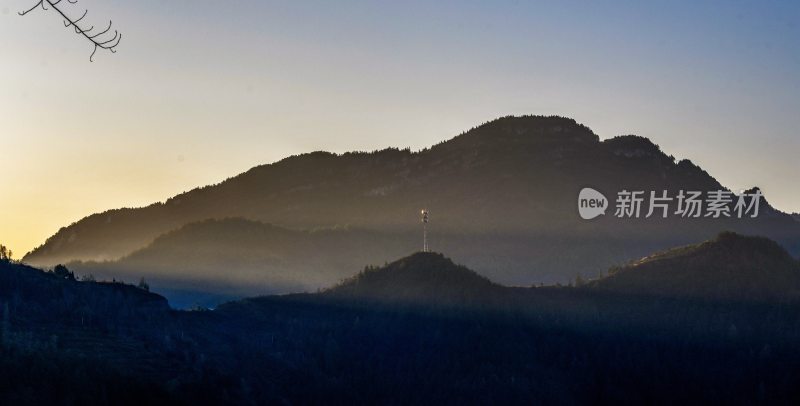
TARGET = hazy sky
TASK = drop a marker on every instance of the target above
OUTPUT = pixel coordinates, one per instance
(202, 90)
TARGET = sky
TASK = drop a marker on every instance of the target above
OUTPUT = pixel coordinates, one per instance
(202, 90)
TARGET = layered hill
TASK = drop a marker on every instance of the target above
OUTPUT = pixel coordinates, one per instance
(502, 197)
(236, 257)
(422, 278)
(731, 266)
(418, 330)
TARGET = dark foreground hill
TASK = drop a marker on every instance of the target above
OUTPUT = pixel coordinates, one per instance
(730, 266)
(420, 330)
(502, 197)
(69, 342)
(32, 295)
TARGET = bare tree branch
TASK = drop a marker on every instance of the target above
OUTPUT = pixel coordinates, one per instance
(108, 43)
(22, 13)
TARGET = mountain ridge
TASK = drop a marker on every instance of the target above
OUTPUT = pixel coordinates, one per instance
(170, 210)
(501, 196)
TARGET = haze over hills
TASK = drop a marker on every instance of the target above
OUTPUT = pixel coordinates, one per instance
(235, 257)
(413, 331)
(502, 198)
(728, 267)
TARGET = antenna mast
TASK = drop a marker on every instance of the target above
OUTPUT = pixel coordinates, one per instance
(424, 213)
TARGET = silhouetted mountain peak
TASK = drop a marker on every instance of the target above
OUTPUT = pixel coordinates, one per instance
(529, 129)
(424, 277)
(500, 190)
(633, 146)
(729, 266)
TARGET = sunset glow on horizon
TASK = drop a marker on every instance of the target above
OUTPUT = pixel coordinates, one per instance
(197, 94)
